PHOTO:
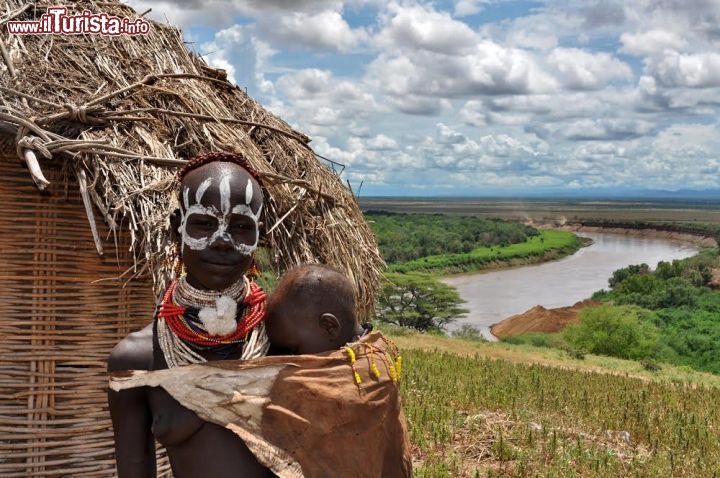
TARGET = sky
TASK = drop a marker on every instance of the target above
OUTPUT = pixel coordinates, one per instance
(480, 97)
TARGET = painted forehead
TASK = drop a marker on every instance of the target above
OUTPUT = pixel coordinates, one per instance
(214, 183)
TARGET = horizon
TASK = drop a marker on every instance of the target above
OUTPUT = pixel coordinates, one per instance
(639, 195)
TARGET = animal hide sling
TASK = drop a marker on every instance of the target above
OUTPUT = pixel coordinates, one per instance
(332, 414)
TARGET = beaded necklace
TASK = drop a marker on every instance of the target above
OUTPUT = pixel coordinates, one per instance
(181, 334)
(187, 295)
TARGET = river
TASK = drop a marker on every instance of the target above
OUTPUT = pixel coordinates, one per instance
(496, 295)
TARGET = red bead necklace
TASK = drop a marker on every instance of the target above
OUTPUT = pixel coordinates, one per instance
(253, 314)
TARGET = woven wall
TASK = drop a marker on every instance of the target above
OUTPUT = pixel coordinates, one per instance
(57, 328)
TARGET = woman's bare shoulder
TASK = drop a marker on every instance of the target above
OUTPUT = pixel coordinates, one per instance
(134, 352)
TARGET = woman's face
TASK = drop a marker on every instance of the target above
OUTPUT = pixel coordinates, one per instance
(218, 224)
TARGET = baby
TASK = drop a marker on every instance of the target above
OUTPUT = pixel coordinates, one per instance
(296, 414)
(312, 310)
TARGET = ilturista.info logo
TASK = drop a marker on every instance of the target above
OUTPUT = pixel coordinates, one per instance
(58, 22)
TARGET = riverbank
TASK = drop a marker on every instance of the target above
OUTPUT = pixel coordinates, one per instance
(696, 239)
(550, 244)
(540, 319)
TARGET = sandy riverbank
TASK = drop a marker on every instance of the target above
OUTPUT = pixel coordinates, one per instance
(697, 240)
(540, 319)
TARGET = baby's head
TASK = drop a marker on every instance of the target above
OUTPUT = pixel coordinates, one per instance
(312, 310)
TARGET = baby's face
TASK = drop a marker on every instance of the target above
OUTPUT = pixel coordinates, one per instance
(294, 329)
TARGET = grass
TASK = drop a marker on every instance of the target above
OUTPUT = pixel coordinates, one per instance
(551, 357)
(493, 409)
(549, 242)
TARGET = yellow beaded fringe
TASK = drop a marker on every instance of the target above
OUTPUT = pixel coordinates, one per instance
(393, 365)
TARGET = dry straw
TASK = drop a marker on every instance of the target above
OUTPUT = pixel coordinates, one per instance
(124, 112)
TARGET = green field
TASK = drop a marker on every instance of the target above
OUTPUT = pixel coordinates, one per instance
(474, 412)
(556, 243)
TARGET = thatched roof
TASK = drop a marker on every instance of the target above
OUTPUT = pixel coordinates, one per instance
(122, 113)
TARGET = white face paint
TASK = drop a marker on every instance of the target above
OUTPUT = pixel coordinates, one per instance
(222, 217)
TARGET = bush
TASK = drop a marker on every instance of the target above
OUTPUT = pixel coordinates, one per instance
(575, 353)
(650, 365)
(468, 332)
(618, 331)
(620, 275)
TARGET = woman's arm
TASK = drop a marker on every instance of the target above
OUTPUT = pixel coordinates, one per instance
(130, 409)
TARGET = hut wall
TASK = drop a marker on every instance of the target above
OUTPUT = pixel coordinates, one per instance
(62, 309)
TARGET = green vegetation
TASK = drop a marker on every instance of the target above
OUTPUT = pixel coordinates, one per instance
(546, 243)
(474, 416)
(684, 309)
(407, 339)
(419, 301)
(667, 315)
(619, 331)
(492, 409)
(539, 339)
(468, 332)
(404, 237)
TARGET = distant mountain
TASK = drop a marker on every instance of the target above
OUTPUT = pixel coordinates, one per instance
(712, 195)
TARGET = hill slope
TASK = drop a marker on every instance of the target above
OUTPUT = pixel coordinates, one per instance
(493, 409)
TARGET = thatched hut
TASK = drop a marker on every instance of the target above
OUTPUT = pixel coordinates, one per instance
(92, 129)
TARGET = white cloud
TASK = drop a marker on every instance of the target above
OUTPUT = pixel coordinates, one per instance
(323, 104)
(421, 28)
(651, 42)
(488, 69)
(420, 105)
(220, 13)
(381, 143)
(689, 140)
(473, 113)
(581, 70)
(604, 129)
(243, 56)
(465, 8)
(696, 70)
(532, 40)
(304, 83)
(323, 30)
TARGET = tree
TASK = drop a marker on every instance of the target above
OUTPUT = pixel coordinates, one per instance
(619, 331)
(419, 301)
(621, 274)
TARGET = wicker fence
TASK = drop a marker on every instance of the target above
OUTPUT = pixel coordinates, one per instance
(61, 312)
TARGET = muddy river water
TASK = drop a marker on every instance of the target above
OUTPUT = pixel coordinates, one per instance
(495, 295)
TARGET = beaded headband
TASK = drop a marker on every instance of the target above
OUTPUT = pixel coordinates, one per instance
(217, 156)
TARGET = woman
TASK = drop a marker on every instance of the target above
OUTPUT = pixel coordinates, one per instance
(212, 312)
